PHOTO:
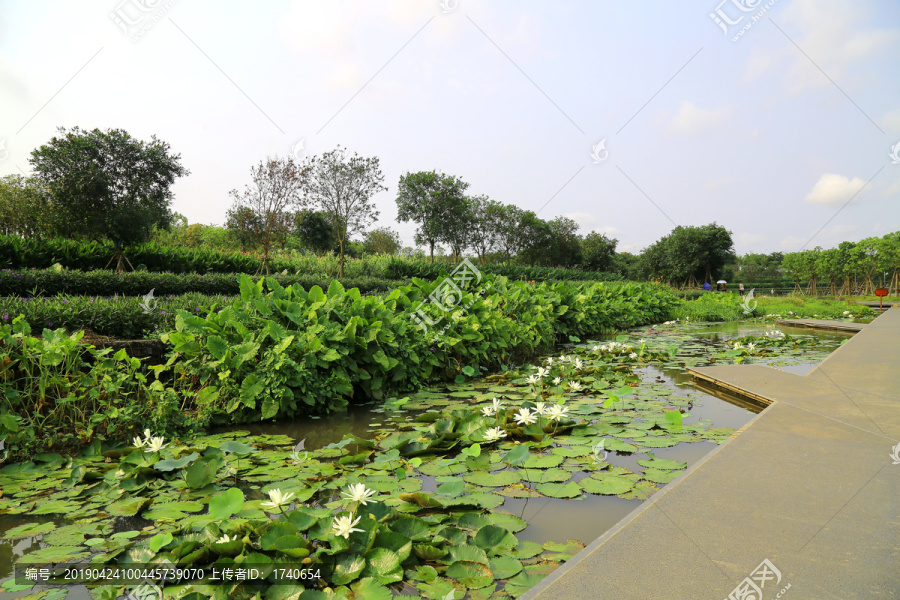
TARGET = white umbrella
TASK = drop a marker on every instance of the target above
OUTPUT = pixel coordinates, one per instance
(721, 281)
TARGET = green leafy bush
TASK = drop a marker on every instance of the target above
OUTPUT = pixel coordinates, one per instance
(290, 352)
(406, 269)
(47, 282)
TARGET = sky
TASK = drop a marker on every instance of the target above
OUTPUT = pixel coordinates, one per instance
(779, 120)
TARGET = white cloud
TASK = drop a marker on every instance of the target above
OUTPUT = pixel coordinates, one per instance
(692, 120)
(834, 189)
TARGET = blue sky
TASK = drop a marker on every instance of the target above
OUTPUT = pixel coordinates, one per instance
(770, 134)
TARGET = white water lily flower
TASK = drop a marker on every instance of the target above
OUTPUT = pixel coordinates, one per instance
(358, 492)
(138, 442)
(751, 346)
(147, 435)
(574, 386)
(557, 412)
(846, 312)
(225, 539)
(344, 526)
(542, 372)
(533, 379)
(557, 380)
(642, 341)
(496, 404)
(493, 434)
(596, 348)
(488, 411)
(578, 364)
(541, 408)
(549, 360)
(632, 355)
(738, 346)
(156, 444)
(277, 499)
(524, 417)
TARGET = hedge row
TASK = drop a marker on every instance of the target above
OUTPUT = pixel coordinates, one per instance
(406, 269)
(18, 253)
(48, 282)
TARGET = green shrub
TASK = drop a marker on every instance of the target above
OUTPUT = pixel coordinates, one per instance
(289, 352)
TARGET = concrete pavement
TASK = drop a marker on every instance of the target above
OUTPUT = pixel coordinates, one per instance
(808, 485)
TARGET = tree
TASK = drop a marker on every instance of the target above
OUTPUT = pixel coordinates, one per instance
(565, 244)
(690, 254)
(383, 240)
(108, 185)
(315, 231)
(598, 251)
(509, 235)
(457, 221)
(432, 200)
(244, 225)
(264, 208)
(24, 211)
(343, 188)
(537, 236)
(484, 234)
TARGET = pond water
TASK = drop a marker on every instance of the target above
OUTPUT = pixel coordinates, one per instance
(548, 518)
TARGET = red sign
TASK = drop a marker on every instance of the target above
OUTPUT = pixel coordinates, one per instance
(881, 292)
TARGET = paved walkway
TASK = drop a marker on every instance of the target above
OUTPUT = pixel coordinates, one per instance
(808, 484)
(822, 324)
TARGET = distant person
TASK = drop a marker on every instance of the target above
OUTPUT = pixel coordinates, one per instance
(741, 287)
(724, 287)
(773, 291)
(706, 286)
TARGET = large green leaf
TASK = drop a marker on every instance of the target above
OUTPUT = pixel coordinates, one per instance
(611, 485)
(348, 568)
(485, 479)
(222, 506)
(559, 490)
(383, 565)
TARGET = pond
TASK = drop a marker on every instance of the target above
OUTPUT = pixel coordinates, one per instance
(569, 516)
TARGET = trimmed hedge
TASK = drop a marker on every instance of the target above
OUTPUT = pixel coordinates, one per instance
(47, 282)
(404, 269)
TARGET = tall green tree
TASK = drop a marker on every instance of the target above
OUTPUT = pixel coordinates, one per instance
(24, 211)
(383, 240)
(108, 185)
(432, 200)
(272, 197)
(598, 251)
(689, 255)
(343, 187)
(510, 241)
(315, 231)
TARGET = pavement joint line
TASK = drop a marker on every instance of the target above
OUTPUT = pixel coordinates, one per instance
(847, 387)
(830, 418)
(841, 508)
(853, 401)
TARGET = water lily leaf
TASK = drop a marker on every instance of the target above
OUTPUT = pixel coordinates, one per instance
(370, 589)
(452, 488)
(486, 500)
(572, 452)
(658, 442)
(274, 531)
(425, 573)
(657, 476)
(383, 565)
(561, 552)
(473, 575)
(610, 485)
(662, 463)
(440, 589)
(559, 490)
(402, 545)
(490, 537)
(468, 553)
(236, 448)
(421, 499)
(548, 476)
(641, 491)
(170, 464)
(429, 553)
(55, 506)
(159, 540)
(509, 522)
(505, 567)
(29, 530)
(526, 549)
(348, 568)
(222, 506)
(523, 582)
(412, 527)
(54, 554)
(292, 545)
(543, 462)
(127, 507)
(201, 473)
(517, 455)
(492, 480)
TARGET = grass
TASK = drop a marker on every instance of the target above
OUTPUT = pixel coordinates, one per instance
(811, 308)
